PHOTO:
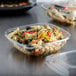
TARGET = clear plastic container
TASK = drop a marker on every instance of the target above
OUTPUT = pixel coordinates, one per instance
(52, 47)
(63, 11)
(64, 64)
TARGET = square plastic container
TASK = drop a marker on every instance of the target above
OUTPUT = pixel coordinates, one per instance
(63, 11)
(47, 48)
(64, 64)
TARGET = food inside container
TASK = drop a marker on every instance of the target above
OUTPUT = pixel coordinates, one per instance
(63, 13)
(13, 3)
(38, 39)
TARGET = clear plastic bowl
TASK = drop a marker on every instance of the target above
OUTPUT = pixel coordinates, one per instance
(64, 64)
(48, 48)
(65, 13)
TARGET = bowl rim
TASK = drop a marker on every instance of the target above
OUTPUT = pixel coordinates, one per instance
(46, 6)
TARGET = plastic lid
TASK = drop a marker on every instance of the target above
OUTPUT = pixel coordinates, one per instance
(63, 64)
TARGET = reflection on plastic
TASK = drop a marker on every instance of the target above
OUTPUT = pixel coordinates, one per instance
(61, 63)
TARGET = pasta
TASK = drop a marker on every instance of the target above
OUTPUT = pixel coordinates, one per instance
(37, 36)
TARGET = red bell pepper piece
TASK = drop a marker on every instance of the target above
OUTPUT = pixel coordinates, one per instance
(54, 29)
(49, 33)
